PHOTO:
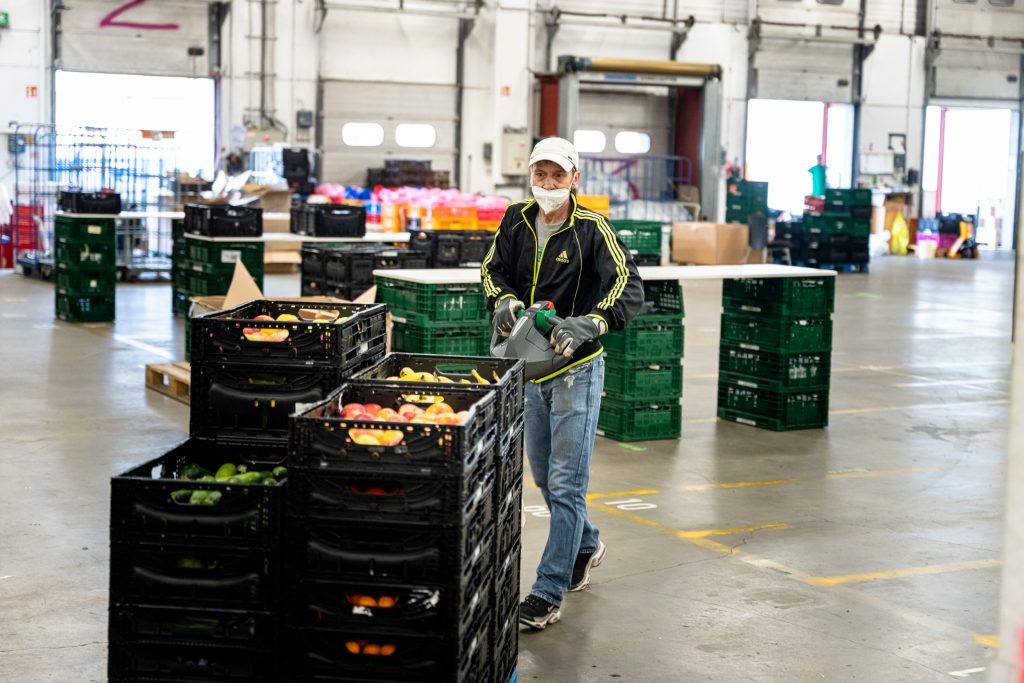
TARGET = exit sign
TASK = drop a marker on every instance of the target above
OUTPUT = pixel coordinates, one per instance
(5, 20)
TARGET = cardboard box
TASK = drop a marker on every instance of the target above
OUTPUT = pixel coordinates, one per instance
(710, 244)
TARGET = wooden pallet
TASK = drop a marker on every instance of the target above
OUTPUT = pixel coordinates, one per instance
(170, 380)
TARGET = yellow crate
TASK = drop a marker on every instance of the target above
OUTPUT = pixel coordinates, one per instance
(599, 203)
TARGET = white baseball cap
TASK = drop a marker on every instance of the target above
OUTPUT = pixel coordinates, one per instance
(558, 150)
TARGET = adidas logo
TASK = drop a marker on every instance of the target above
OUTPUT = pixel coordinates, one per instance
(563, 257)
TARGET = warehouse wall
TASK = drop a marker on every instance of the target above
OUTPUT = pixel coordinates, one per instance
(23, 62)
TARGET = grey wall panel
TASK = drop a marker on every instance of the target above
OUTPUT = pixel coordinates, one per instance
(962, 74)
(388, 104)
(980, 18)
(88, 46)
(804, 71)
(809, 12)
(612, 112)
(894, 16)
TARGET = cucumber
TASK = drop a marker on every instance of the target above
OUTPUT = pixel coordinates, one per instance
(249, 478)
(198, 497)
(270, 481)
(193, 471)
(213, 498)
(207, 477)
(181, 495)
(226, 470)
(280, 472)
(242, 469)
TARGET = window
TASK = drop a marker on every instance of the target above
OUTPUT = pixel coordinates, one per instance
(632, 142)
(589, 141)
(1001, 3)
(415, 135)
(362, 134)
(965, 2)
(830, 2)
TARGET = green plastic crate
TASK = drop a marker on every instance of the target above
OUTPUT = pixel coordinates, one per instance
(445, 338)
(222, 255)
(84, 283)
(85, 256)
(639, 420)
(662, 297)
(815, 223)
(838, 224)
(848, 197)
(180, 303)
(77, 230)
(860, 227)
(221, 269)
(640, 237)
(85, 309)
(647, 337)
(772, 370)
(782, 334)
(211, 285)
(432, 303)
(814, 296)
(651, 381)
(775, 410)
(736, 216)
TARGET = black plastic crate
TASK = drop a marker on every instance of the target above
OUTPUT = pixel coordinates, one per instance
(175, 661)
(505, 655)
(356, 334)
(89, 202)
(332, 220)
(156, 622)
(423, 241)
(322, 439)
(508, 520)
(404, 552)
(506, 577)
(146, 506)
(407, 165)
(508, 465)
(424, 607)
(350, 265)
(222, 220)
(312, 265)
(773, 370)
(343, 291)
(313, 287)
(801, 408)
(195, 576)
(390, 259)
(251, 403)
(861, 212)
(346, 656)
(504, 375)
(364, 492)
(860, 255)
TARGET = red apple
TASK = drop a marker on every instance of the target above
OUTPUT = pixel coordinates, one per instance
(388, 414)
(351, 410)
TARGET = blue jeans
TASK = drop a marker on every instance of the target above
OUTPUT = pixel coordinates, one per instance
(560, 425)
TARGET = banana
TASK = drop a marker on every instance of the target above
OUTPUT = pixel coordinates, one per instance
(464, 381)
(393, 377)
(444, 380)
(425, 377)
(405, 372)
(495, 375)
(478, 378)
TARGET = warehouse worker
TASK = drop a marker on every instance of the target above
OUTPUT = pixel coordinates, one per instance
(818, 182)
(551, 248)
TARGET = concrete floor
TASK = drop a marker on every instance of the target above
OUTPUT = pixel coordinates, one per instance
(864, 552)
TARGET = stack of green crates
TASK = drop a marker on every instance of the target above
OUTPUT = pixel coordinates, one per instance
(848, 212)
(85, 267)
(204, 267)
(745, 197)
(643, 382)
(776, 352)
(643, 239)
(439, 318)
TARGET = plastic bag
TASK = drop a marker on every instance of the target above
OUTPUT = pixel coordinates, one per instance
(900, 236)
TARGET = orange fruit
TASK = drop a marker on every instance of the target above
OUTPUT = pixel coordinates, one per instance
(386, 601)
(387, 649)
(352, 646)
(371, 650)
(438, 408)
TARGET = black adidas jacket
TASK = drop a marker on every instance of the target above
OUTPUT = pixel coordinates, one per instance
(584, 269)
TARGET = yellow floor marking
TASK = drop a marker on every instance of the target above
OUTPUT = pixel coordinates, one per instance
(739, 484)
(918, 406)
(686, 535)
(831, 475)
(641, 492)
(906, 571)
(991, 642)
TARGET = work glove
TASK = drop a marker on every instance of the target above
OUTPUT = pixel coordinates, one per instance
(505, 315)
(572, 333)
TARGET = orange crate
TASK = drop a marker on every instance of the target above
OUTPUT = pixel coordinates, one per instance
(487, 225)
(450, 218)
(595, 202)
(392, 217)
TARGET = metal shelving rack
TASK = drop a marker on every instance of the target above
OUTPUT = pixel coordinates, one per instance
(140, 165)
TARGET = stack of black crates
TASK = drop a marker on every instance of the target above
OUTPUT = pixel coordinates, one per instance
(328, 220)
(836, 238)
(411, 172)
(213, 238)
(197, 566)
(776, 352)
(404, 558)
(345, 271)
(452, 248)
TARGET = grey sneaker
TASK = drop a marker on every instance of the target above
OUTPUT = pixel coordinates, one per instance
(584, 563)
(537, 613)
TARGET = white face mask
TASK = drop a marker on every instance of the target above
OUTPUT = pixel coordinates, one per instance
(550, 200)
